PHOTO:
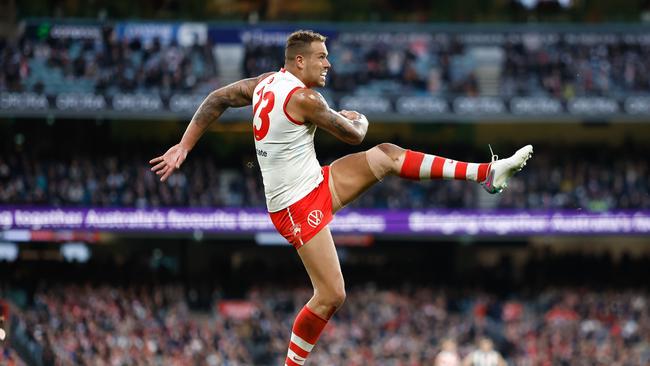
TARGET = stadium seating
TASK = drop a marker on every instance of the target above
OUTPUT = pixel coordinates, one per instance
(152, 325)
(365, 63)
(593, 180)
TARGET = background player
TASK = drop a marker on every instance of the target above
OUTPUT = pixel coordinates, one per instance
(485, 355)
(448, 355)
(301, 196)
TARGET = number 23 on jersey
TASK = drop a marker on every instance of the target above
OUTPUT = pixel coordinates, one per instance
(263, 116)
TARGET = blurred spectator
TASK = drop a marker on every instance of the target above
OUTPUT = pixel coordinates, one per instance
(565, 70)
(593, 179)
(568, 308)
(485, 355)
(107, 66)
(109, 325)
(448, 355)
(391, 64)
(396, 64)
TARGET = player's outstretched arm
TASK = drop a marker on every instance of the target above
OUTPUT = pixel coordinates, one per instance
(347, 126)
(237, 94)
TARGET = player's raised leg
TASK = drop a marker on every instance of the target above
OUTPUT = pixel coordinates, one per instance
(355, 173)
(322, 263)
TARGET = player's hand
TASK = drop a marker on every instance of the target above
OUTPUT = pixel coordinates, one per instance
(167, 163)
(351, 115)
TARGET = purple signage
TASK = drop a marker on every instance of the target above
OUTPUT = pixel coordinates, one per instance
(228, 220)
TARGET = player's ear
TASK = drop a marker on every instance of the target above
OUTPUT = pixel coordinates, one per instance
(300, 61)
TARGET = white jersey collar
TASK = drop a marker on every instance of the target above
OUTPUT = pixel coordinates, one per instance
(292, 76)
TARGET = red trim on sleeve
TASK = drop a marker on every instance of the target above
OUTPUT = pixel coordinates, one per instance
(284, 107)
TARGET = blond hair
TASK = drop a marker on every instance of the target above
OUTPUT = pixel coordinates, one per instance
(299, 42)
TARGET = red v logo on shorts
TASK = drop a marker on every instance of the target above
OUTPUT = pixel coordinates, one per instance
(314, 218)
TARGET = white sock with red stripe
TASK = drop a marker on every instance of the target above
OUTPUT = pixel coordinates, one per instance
(419, 166)
(306, 329)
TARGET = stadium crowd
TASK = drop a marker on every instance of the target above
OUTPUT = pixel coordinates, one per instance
(598, 181)
(396, 64)
(566, 70)
(393, 67)
(364, 63)
(108, 65)
(108, 325)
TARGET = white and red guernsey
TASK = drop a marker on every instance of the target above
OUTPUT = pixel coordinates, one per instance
(284, 146)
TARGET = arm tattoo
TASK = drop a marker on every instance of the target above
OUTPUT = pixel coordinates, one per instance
(337, 124)
(238, 94)
(333, 118)
(315, 110)
(211, 108)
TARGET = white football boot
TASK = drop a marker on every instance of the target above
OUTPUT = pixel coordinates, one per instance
(501, 170)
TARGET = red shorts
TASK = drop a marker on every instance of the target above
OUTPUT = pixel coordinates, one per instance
(302, 220)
